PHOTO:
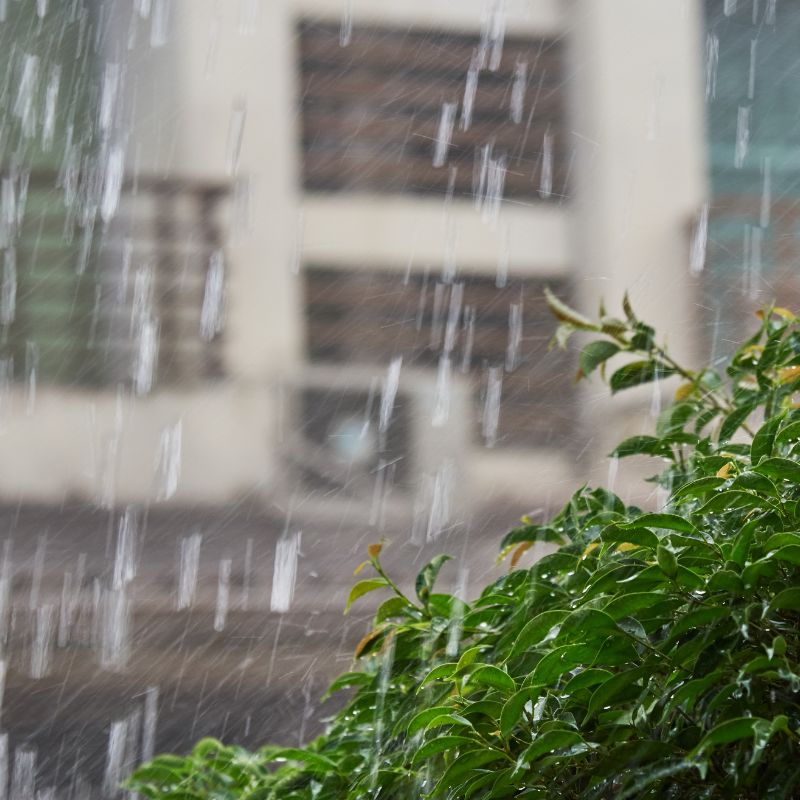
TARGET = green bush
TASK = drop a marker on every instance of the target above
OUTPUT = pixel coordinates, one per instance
(653, 655)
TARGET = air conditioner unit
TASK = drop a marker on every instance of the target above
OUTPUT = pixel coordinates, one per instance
(383, 445)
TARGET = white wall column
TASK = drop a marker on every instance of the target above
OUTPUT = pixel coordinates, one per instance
(638, 133)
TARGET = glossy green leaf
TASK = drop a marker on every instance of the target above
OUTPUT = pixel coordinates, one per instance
(786, 600)
(624, 684)
(392, 607)
(642, 537)
(779, 469)
(493, 677)
(441, 744)
(347, 681)
(438, 673)
(731, 730)
(513, 708)
(733, 422)
(566, 314)
(363, 587)
(427, 576)
(313, 762)
(699, 487)
(586, 679)
(547, 743)
(637, 373)
(561, 660)
(729, 499)
(764, 440)
(641, 445)
(627, 605)
(595, 354)
(671, 522)
(420, 720)
(538, 629)
(790, 554)
(789, 433)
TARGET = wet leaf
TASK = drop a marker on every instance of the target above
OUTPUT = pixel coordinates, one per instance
(595, 354)
(638, 373)
(564, 313)
(364, 587)
(427, 577)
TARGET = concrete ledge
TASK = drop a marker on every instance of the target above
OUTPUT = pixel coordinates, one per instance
(540, 17)
(382, 232)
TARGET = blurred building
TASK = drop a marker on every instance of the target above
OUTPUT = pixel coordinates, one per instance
(273, 265)
(306, 244)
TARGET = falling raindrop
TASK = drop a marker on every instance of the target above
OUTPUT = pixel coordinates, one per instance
(25, 104)
(518, 87)
(284, 573)
(159, 21)
(146, 356)
(453, 317)
(125, 557)
(389, 393)
(469, 338)
(108, 96)
(168, 463)
(43, 641)
(223, 594)
(514, 336)
(441, 502)
(441, 407)
(613, 468)
(149, 722)
(546, 180)
(115, 756)
(8, 290)
(697, 257)
(444, 134)
(751, 81)
(491, 406)
(23, 777)
(188, 567)
(766, 192)
(346, 27)
(235, 136)
(113, 183)
(493, 31)
(457, 617)
(50, 101)
(213, 298)
(113, 612)
(470, 89)
(742, 136)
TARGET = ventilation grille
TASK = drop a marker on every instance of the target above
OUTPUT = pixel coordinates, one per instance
(376, 113)
(338, 446)
(498, 337)
(83, 290)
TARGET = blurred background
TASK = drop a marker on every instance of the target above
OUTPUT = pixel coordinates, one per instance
(271, 289)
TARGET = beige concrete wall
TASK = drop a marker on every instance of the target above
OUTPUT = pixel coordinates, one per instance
(397, 233)
(228, 66)
(104, 448)
(637, 115)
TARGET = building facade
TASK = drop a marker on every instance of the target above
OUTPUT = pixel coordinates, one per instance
(317, 241)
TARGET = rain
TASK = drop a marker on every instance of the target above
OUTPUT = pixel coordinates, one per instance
(272, 290)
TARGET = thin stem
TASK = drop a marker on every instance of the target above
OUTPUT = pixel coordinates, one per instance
(708, 394)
